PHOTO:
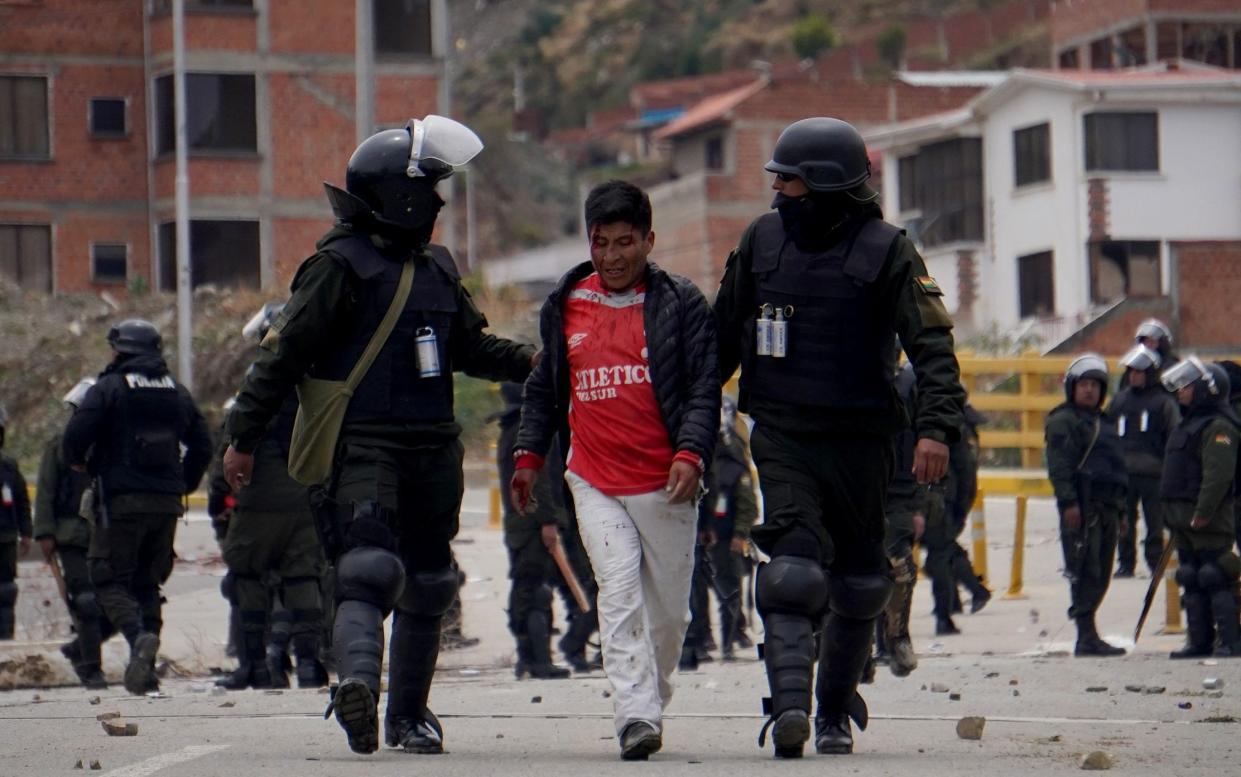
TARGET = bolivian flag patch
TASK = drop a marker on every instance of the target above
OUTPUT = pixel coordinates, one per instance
(1223, 439)
(928, 285)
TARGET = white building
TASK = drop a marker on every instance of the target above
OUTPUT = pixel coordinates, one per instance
(1054, 195)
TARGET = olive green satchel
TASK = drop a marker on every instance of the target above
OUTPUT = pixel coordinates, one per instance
(322, 403)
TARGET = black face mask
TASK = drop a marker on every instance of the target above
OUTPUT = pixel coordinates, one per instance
(410, 220)
(811, 221)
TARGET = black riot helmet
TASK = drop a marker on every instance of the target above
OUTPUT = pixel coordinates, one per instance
(1088, 365)
(135, 336)
(829, 155)
(1210, 381)
(256, 328)
(391, 176)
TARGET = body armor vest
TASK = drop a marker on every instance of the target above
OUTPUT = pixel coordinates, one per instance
(391, 391)
(839, 339)
(1105, 464)
(145, 451)
(1182, 466)
(1140, 421)
(69, 487)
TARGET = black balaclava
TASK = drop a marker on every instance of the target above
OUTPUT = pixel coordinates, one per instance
(814, 220)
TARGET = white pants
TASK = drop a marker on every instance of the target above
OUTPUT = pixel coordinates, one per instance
(642, 551)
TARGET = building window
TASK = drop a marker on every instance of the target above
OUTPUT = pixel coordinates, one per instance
(1036, 285)
(402, 28)
(107, 117)
(219, 113)
(23, 117)
(1069, 60)
(1123, 268)
(26, 255)
(947, 191)
(224, 253)
(165, 6)
(1122, 141)
(1032, 154)
(1101, 54)
(715, 154)
(907, 172)
(109, 262)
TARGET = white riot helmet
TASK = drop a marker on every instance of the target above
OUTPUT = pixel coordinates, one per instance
(1154, 329)
(1141, 358)
(1088, 365)
(73, 399)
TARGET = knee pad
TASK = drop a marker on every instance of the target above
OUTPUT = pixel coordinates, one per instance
(1187, 576)
(429, 593)
(371, 527)
(372, 575)
(541, 597)
(861, 597)
(1230, 565)
(8, 595)
(86, 605)
(791, 585)
(1211, 577)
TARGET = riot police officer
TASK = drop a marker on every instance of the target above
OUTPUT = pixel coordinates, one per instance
(271, 532)
(1198, 488)
(808, 307)
(528, 539)
(136, 418)
(1156, 335)
(390, 505)
(14, 532)
(64, 537)
(1145, 414)
(1087, 472)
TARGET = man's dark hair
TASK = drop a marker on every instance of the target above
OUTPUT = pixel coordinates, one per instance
(618, 201)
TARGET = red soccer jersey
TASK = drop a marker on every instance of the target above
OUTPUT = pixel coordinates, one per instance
(620, 444)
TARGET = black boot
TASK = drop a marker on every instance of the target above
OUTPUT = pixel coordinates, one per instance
(539, 633)
(1199, 628)
(1224, 608)
(310, 670)
(252, 671)
(945, 626)
(7, 623)
(573, 644)
(1089, 643)
(789, 654)
(843, 650)
(408, 723)
(357, 637)
(140, 671)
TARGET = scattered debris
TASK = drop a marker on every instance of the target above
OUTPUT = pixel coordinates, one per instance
(954, 697)
(78, 765)
(499, 736)
(1218, 719)
(1033, 615)
(1053, 738)
(1185, 705)
(536, 700)
(990, 675)
(1097, 689)
(107, 716)
(36, 697)
(273, 692)
(117, 727)
(1013, 681)
(1016, 692)
(939, 688)
(1209, 662)
(95, 765)
(1098, 761)
(971, 727)
(1135, 688)
(94, 700)
(1215, 695)
(229, 704)
(1213, 683)
(1154, 689)
(607, 694)
(1042, 634)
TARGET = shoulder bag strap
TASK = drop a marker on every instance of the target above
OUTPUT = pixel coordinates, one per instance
(385, 327)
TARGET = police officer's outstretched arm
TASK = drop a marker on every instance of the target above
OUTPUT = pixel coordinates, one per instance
(480, 354)
(925, 331)
(538, 415)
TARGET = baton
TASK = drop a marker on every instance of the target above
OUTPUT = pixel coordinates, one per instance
(566, 571)
(59, 577)
(1160, 569)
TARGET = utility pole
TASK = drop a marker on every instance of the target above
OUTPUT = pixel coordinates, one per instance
(185, 277)
(364, 70)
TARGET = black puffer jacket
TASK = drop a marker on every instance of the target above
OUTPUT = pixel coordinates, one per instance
(681, 342)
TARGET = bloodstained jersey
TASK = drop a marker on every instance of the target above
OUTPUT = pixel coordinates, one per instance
(619, 442)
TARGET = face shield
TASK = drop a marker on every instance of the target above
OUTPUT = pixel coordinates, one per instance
(1184, 373)
(260, 322)
(78, 393)
(1155, 329)
(440, 139)
(1141, 358)
(1082, 366)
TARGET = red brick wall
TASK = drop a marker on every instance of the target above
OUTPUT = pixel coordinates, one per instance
(1074, 19)
(1210, 285)
(328, 30)
(1098, 205)
(1116, 336)
(399, 98)
(311, 139)
(97, 27)
(212, 31)
(74, 235)
(209, 177)
(295, 241)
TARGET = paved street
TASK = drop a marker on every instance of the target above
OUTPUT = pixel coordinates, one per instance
(1010, 665)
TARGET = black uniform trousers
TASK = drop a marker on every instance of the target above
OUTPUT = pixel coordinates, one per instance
(1143, 489)
(531, 569)
(129, 557)
(1089, 553)
(93, 628)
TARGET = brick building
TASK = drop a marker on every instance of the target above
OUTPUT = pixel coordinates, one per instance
(87, 135)
(1107, 34)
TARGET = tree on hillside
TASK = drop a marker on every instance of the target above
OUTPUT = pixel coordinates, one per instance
(813, 35)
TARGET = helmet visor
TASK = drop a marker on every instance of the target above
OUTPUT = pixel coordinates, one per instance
(1141, 358)
(441, 139)
(1183, 373)
(1153, 328)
